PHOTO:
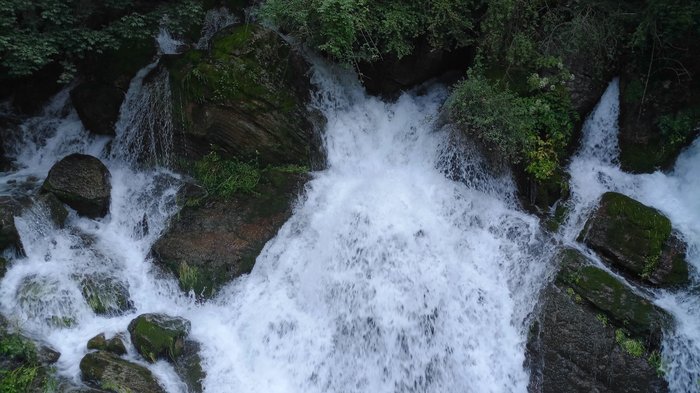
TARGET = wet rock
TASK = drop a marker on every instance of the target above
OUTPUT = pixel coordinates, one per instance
(57, 212)
(111, 373)
(248, 95)
(106, 295)
(9, 208)
(580, 340)
(46, 299)
(114, 345)
(636, 239)
(82, 182)
(389, 76)
(3, 267)
(47, 355)
(159, 336)
(98, 106)
(209, 244)
(188, 367)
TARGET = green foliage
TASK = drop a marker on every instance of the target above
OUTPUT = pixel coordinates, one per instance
(657, 362)
(18, 379)
(678, 127)
(357, 30)
(629, 345)
(34, 33)
(531, 129)
(603, 319)
(17, 347)
(223, 178)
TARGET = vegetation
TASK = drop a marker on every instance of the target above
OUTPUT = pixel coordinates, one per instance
(351, 31)
(35, 33)
(223, 178)
(21, 369)
(631, 346)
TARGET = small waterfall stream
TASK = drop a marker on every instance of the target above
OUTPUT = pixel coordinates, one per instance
(595, 170)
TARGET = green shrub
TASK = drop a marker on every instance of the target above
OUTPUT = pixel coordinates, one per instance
(359, 30)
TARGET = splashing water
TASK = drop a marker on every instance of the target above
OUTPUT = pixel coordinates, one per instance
(595, 170)
(406, 266)
(215, 20)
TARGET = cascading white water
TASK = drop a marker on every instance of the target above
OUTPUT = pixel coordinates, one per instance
(406, 266)
(215, 20)
(594, 170)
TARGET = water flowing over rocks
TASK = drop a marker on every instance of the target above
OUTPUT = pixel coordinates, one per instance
(82, 182)
(594, 334)
(159, 336)
(111, 373)
(247, 95)
(637, 239)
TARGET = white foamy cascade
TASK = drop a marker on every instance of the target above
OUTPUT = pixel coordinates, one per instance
(404, 268)
(594, 170)
(389, 277)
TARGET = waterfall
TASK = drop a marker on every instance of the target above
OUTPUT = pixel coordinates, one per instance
(406, 266)
(595, 170)
(214, 20)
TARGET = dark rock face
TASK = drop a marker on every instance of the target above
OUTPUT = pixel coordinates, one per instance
(114, 345)
(57, 211)
(98, 106)
(189, 367)
(247, 95)
(111, 373)
(582, 344)
(82, 182)
(9, 208)
(389, 76)
(207, 246)
(159, 336)
(637, 239)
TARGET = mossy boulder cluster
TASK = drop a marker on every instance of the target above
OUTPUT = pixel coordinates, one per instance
(82, 182)
(595, 332)
(247, 95)
(106, 295)
(155, 336)
(636, 239)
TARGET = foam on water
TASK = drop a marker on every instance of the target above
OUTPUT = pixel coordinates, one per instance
(595, 170)
(406, 266)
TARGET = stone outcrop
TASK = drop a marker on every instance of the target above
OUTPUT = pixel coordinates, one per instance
(159, 336)
(82, 182)
(210, 244)
(636, 239)
(594, 334)
(248, 95)
(114, 345)
(98, 106)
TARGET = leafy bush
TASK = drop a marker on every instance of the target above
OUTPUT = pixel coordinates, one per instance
(357, 30)
(34, 33)
(533, 130)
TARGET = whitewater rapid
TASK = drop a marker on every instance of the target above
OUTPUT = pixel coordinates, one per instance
(405, 267)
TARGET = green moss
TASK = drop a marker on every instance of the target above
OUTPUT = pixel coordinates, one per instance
(603, 319)
(223, 178)
(657, 362)
(631, 346)
(155, 337)
(224, 45)
(18, 379)
(17, 348)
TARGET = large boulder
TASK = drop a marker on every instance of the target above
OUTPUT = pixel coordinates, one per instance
(98, 106)
(248, 95)
(159, 336)
(211, 243)
(111, 373)
(594, 334)
(636, 239)
(82, 182)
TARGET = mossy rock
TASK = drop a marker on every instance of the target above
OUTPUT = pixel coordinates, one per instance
(82, 182)
(106, 295)
(43, 298)
(594, 334)
(9, 208)
(637, 239)
(212, 242)
(247, 95)
(109, 372)
(611, 297)
(114, 345)
(159, 336)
